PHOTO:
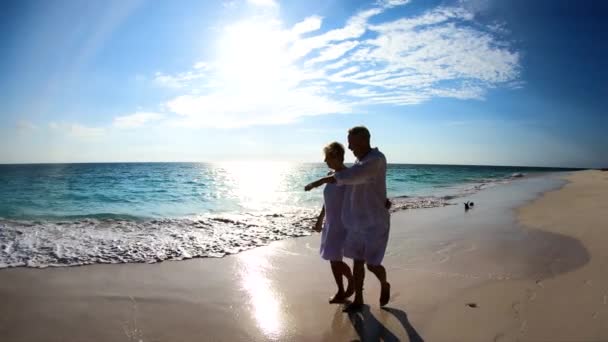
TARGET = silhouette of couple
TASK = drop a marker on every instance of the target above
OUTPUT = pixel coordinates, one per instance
(355, 219)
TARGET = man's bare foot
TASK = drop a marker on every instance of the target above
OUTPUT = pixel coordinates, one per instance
(338, 298)
(357, 305)
(385, 293)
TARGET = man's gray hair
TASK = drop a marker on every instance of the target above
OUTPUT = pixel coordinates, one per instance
(361, 131)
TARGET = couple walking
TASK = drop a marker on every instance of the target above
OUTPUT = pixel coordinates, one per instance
(355, 219)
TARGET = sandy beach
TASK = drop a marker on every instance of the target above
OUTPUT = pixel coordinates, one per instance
(528, 263)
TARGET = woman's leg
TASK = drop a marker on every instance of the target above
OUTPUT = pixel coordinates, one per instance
(340, 270)
(350, 289)
(358, 279)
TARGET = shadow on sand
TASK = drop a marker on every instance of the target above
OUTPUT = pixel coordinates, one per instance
(370, 329)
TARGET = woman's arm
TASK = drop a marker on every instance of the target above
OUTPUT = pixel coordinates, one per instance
(319, 224)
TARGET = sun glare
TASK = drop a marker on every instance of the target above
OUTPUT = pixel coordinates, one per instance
(258, 185)
(252, 54)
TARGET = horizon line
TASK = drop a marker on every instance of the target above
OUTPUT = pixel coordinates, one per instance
(293, 162)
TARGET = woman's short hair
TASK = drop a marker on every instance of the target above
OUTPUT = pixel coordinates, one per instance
(334, 149)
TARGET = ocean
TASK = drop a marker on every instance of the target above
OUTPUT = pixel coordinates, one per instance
(78, 214)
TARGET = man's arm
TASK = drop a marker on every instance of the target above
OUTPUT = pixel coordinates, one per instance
(358, 173)
(319, 182)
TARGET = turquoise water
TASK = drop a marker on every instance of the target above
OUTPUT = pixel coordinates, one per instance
(73, 214)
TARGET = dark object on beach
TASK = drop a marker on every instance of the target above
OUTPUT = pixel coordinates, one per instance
(472, 305)
(468, 205)
(604, 169)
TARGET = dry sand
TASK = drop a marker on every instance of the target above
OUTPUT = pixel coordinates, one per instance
(542, 282)
(571, 306)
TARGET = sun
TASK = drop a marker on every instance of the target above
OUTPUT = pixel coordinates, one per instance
(253, 54)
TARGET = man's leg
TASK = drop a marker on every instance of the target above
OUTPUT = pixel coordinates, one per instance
(385, 292)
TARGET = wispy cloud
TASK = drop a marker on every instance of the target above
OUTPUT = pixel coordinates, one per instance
(265, 3)
(392, 3)
(136, 120)
(77, 130)
(25, 126)
(267, 73)
(281, 106)
(310, 24)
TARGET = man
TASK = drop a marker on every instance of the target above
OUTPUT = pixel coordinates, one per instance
(364, 212)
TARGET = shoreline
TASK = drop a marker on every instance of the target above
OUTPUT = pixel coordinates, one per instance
(135, 240)
(438, 261)
(571, 303)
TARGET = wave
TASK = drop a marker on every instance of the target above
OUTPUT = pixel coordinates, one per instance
(119, 238)
(42, 244)
(405, 202)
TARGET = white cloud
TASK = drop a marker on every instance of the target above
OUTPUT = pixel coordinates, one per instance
(233, 109)
(77, 130)
(136, 120)
(25, 126)
(475, 6)
(202, 65)
(266, 73)
(355, 27)
(310, 24)
(432, 55)
(333, 52)
(392, 3)
(264, 3)
(182, 79)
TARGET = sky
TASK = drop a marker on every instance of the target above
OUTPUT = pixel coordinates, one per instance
(481, 82)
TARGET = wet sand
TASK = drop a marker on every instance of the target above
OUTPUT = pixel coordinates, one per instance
(455, 276)
(568, 304)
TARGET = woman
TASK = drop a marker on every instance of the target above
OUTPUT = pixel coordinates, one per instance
(332, 230)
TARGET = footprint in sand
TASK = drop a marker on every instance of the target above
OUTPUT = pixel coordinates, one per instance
(588, 282)
(540, 283)
(605, 299)
(516, 306)
(531, 295)
(501, 337)
(523, 325)
(594, 316)
(470, 249)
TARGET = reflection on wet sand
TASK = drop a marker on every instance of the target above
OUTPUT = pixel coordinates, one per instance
(264, 300)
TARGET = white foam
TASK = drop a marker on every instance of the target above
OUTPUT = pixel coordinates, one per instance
(87, 241)
(43, 243)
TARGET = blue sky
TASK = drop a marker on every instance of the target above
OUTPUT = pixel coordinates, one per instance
(443, 82)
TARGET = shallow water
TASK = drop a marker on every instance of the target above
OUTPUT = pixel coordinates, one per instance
(74, 214)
